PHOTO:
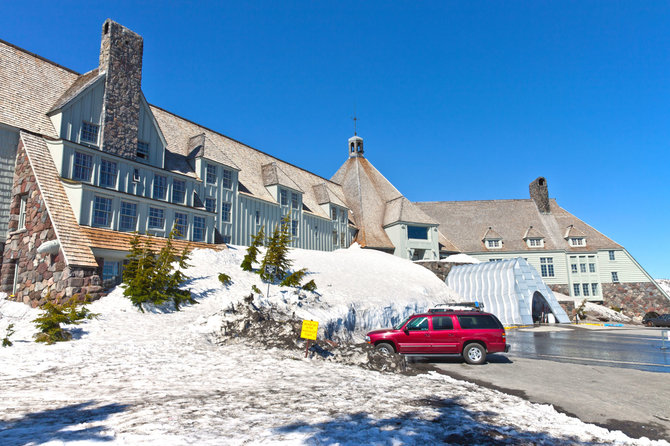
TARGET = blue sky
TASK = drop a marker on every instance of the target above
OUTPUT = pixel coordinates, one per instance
(455, 100)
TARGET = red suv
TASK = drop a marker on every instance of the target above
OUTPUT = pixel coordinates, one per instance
(471, 334)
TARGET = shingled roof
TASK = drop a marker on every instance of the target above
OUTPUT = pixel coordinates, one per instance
(464, 222)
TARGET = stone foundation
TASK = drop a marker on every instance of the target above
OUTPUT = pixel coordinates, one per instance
(40, 276)
(440, 269)
(635, 299)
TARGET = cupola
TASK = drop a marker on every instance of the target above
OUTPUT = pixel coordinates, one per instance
(355, 146)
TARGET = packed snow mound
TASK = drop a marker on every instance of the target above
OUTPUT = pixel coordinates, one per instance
(460, 258)
(357, 289)
(605, 314)
(664, 284)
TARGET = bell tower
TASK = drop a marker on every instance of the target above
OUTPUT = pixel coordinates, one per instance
(355, 146)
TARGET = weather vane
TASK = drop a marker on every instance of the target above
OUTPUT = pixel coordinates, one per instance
(355, 119)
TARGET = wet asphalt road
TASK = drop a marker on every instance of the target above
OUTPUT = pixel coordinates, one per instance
(626, 347)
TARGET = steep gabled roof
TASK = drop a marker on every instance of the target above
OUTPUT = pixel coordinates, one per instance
(464, 222)
(325, 193)
(491, 234)
(532, 232)
(74, 244)
(79, 85)
(572, 231)
(274, 175)
(29, 87)
(402, 210)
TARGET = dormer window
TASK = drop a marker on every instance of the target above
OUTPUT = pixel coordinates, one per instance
(89, 133)
(577, 241)
(491, 239)
(535, 242)
(143, 150)
(493, 244)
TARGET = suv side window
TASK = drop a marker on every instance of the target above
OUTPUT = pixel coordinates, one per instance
(478, 321)
(443, 323)
(418, 323)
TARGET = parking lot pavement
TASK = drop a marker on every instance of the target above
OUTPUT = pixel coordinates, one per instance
(633, 401)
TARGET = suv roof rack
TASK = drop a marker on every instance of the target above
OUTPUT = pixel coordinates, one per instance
(455, 306)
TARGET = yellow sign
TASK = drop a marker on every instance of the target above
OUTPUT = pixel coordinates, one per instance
(309, 329)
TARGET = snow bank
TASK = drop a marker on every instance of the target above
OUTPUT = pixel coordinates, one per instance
(601, 312)
(664, 284)
(460, 258)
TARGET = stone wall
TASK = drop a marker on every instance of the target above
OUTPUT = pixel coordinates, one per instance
(440, 269)
(635, 299)
(40, 276)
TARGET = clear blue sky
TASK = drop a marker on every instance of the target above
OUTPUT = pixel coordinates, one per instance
(456, 100)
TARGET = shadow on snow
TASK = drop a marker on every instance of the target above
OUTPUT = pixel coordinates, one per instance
(451, 424)
(58, 424)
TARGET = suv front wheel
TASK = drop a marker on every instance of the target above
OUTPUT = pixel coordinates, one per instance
(474, 353)
(385, 347)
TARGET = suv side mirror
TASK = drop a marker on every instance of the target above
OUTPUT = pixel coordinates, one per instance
(406, 330)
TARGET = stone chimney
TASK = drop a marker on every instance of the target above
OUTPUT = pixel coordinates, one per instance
(121, 59)
(539, 192)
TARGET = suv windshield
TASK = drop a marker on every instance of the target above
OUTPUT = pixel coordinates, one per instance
(399, 325)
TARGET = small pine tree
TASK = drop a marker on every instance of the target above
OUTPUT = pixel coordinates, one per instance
(254, 289)
(309, 286)
(252, 251)
(49, 322)
(225, 279)
(276, 264)
(9, 332)
(134, 256)
(294, 278)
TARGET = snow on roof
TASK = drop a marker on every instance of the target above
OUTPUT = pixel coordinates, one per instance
(460, 258)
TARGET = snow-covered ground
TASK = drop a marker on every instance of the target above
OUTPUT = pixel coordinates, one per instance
(665, 284)
(157, 378)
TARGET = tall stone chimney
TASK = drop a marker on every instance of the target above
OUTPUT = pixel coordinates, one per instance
(539, 192)
(121, 59)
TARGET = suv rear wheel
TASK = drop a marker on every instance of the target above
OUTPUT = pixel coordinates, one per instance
(385, 347)
(474, 353)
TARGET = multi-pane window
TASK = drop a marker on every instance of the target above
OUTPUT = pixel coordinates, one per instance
(294, 200)
(417, 232)
(178, 191)
(615, 277)
(227, 179)
(143, 150)
(582, 267)
(283, 197)
(547, 266)
(573, 268)
(493, 243)
(210, 204)
(128, 216)
(585, 289)
(535, 242)
(102, 211)
(156, 218)
(335, 238)
(343, 216)
(136, 174)
(181, 224)
(258, 217)
(107, 173)
(160, 187)
(294, 228)
(110, 271)
(333, 213)
(592, 267)
(89, 133)
(225, 212)
(22, 211)
(576, 289)
(611, 253)
(198, 228)
(594, 289)
(83, 166)
(577, 241)
(343, 239)
(495, 260)
(210, 176)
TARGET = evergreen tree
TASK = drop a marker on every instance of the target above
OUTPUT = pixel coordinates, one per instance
(252, 251)
(56, 314)
(276, 264)
(136, 252)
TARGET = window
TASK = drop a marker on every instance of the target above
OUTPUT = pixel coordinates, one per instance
(110, 271)
(198, 228)
(107, 173)
(417, 232)
(418, 323)
(611, 253)
(258, 217)
(582, 267)
(136, 174)
(535, 242)
(495, 260)
(344, 217)
(156, 218)
(178, 191)
(227, 179)
(615, 277)
(442, 323)
(89, 133)
(102, 211)
(547, 266)
(160, 187)
(210, 176)
(577, 241)
(594, 289)
(592, 267)
(83, 165)
(575, 289)
(225, 212)
(283, 197)
(210, 204)
(294, 200)
(343, 239)
(335, 238)
(143, 150)
(493, 243)
(128, 218)
(15, 282)
(22, 211)
(478, 322)
(573, 268)
(181, 224)
(585, 289)
(294, 228)
(333, 213)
